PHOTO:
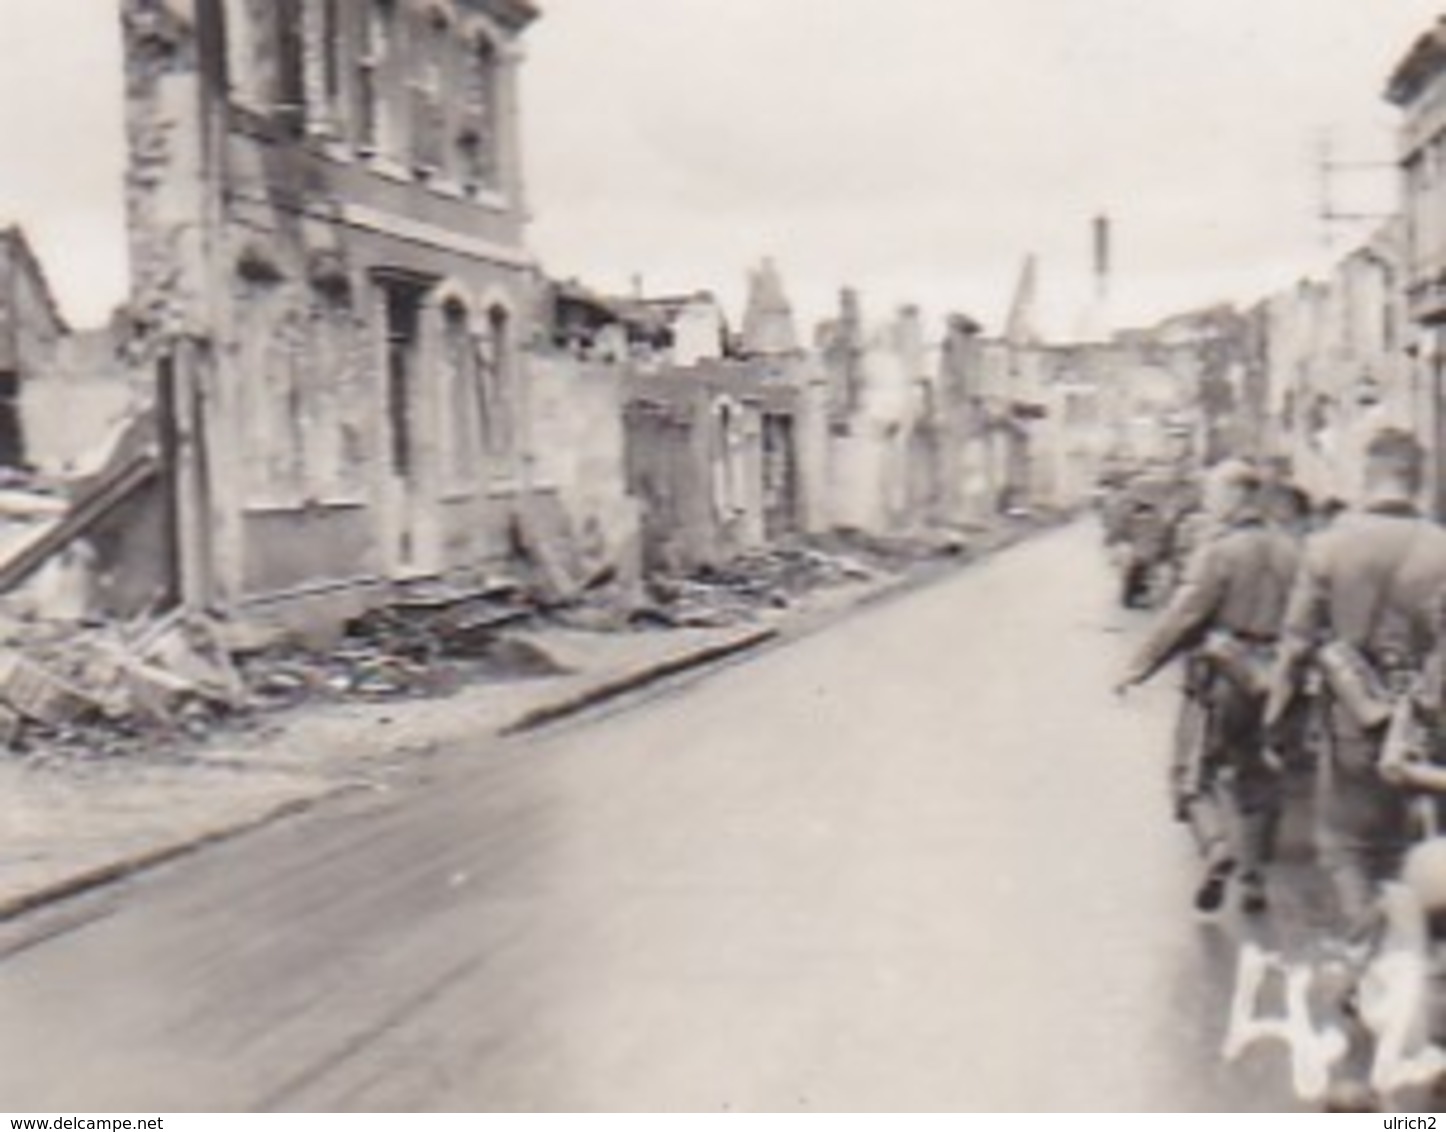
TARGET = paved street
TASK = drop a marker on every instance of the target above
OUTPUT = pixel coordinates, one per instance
(920, 860)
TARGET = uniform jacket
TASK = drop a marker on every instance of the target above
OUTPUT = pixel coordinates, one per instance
(1373, 580)
(1238, 581)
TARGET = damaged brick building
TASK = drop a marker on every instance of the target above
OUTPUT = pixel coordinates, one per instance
(330, 279)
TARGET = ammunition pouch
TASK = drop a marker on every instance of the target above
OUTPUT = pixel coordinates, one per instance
(1199, 671)
(1246, 664)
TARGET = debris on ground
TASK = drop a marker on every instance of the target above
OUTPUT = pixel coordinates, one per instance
(778, 578)
(429, 642)
(109, 689)
(74, 683)
(544, 536)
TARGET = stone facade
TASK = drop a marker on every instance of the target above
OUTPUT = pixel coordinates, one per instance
(326, 213)
(1060, 415)
(72, 414)
(579, 446)
(1338, 367)
(64, 393)
(716, 460)
(1418, 89)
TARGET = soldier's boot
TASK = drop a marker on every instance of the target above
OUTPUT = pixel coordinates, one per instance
(1219, 865)
(1253, 900)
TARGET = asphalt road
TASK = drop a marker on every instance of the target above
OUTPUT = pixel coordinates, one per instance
(918, 861)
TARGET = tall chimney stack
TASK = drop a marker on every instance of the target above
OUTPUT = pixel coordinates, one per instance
(1098, 321)
(1102, 254)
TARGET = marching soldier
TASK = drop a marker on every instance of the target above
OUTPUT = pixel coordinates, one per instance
(1364, 608)
(1144, 550)
(1230, 604)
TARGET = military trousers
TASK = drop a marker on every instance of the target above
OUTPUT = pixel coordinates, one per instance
(1235, 799)
(1362, 822)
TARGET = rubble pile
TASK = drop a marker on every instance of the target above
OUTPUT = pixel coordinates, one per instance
(108, 689)
(894, 553)
(429, 643)
(735, 593)
(112, 689)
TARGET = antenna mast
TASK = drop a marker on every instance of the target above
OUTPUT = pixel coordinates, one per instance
(1329, 168)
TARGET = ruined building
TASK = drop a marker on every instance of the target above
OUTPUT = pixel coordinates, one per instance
(1418, 89)
(768, 326)
(31, 333)
(63, 391)
(330, 280)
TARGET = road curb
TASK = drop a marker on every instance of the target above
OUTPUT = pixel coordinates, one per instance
(639, 679)
(100, 876)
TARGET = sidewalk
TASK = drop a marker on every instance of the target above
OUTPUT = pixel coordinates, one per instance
(69, 824)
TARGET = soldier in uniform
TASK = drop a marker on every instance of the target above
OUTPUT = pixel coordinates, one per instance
(1229, 609)
(1364, 607)
(1197, 524)
(1144, 548)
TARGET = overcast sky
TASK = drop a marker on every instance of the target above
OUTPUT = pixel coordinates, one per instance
(918, 149)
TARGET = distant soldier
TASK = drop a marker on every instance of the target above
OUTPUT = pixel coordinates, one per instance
(1364, 608)
(1190, 525)
(1146, 547)
(1229, 609)
(1197, 523)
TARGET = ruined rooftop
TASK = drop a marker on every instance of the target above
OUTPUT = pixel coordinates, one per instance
(1423, 63)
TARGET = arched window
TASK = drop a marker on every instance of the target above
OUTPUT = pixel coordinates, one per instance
(339, 401)
(477, 133)
(331, 53)
(377, 34)
(465, 401)
(289, 43)
(243, 78)
(265, 49)
(500, 381)
(433, 39)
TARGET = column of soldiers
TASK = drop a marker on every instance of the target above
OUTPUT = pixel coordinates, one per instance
(1226, 614)
(1287, 617)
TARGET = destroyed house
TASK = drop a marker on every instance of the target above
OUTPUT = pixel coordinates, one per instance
(714, 459)
(593, 326)
(31, 333)
(326, 215)
(693, 326)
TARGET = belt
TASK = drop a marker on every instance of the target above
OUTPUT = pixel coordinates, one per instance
(1254, 638)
